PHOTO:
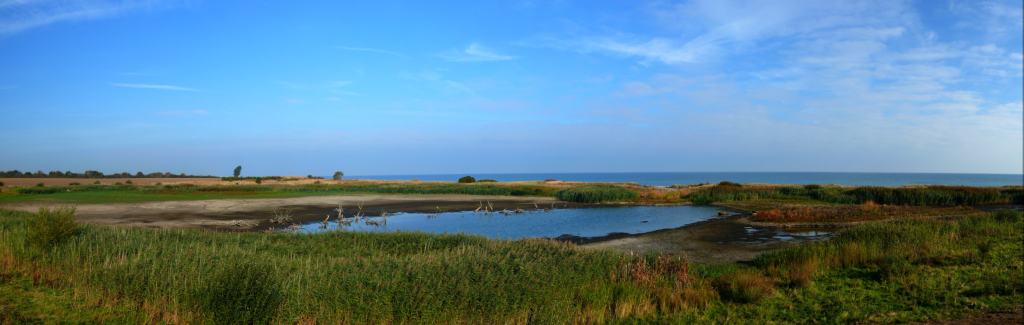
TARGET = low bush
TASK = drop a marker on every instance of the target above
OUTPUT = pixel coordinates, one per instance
(241, 293)
(467, 179)
(744, 286)
(729, 184)
(49, 228)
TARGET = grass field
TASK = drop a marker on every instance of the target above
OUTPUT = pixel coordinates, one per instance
(897, 271)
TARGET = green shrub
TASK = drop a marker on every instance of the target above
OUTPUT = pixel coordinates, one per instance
(49, 228)
(467, 179)
(744, 286)
(40, 184)
(488, 181)
(730, 184)
(40, 190)
(596, 194)
(241, 293)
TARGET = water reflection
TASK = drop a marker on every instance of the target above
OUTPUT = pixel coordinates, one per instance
(515, 224)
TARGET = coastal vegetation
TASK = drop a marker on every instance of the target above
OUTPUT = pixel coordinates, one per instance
(917, 196)
(747, 197)
(854, 213)
(908, 270)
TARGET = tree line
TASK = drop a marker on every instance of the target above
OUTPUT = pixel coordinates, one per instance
(91, 174)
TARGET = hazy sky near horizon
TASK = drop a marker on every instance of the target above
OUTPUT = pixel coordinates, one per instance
(408, 87)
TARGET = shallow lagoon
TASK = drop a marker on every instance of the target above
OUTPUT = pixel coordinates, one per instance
(582, 222)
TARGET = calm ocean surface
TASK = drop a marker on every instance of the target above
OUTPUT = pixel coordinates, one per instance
(664, 179)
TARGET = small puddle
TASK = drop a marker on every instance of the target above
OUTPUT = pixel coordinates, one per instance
(579, 222)
(769, 234)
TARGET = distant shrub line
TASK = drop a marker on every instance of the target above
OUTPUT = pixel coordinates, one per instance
(91, 174)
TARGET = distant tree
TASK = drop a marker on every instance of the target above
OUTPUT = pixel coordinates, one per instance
(338, 175)
(93, 174)
(467, 179)
(140, 174)
(238, 170)
(259, 180)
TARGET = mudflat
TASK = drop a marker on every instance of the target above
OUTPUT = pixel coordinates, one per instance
(254, 214)
(713, 241)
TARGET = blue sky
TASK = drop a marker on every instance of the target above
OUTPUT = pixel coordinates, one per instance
(388, 87)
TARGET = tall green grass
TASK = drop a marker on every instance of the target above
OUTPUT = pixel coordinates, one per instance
(887, 272)
(348, 277)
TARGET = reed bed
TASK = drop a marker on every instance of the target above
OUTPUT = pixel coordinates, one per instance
(597, 194)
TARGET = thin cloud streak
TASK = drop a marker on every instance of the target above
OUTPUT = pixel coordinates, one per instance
(475, 52)
(20, 16)
(152, 86)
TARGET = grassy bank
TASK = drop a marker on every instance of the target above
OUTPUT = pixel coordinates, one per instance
(908, 270)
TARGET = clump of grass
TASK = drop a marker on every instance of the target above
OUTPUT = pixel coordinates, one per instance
(242, 293)
(49, 228)
(744, 286)
(801, 272)
(596, 194)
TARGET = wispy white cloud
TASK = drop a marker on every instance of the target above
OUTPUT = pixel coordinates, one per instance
(152, 86)
(22, 15)
(474, 52)
(370, 50)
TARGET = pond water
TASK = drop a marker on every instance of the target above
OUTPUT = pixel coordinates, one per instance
(582, 222)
